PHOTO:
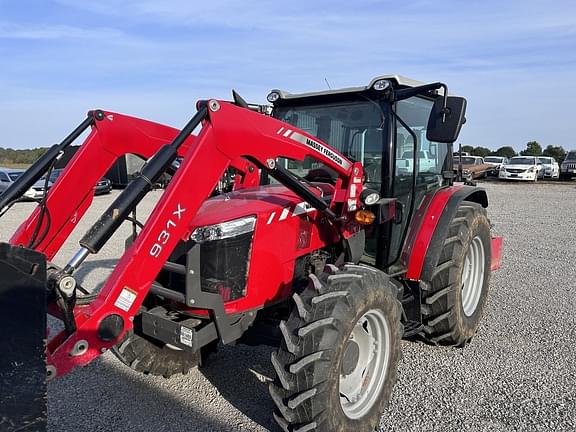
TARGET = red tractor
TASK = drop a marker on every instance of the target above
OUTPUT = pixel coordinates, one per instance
(328, 225)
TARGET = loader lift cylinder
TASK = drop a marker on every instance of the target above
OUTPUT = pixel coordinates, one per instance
(127, 201)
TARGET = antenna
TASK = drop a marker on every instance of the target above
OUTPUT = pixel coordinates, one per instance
(327, 83)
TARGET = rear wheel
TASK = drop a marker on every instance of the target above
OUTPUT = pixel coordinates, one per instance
(336, 366)
(453, 301)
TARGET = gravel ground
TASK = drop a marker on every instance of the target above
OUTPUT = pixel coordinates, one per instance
(518, 374)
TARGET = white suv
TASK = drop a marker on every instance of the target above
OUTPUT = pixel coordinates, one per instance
(568, 167)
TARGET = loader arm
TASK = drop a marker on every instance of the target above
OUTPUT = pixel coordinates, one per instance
(112, 136)
(230, 136)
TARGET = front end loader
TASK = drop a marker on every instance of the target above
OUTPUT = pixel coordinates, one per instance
(309, 225)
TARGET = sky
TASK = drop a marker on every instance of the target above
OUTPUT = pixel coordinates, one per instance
(514, 61)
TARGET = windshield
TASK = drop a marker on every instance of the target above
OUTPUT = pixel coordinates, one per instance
(493, 159)
(522, 161)
(14, 175)
(55, 174)
(410, 155)
(353, 128)
(466, 160)
(546, 161)
(571, 155)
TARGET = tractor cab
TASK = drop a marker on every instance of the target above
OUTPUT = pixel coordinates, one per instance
(389, 126)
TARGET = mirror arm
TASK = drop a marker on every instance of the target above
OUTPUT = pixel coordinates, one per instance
(409, 92)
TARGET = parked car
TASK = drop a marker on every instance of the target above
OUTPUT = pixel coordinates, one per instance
(9, 176)
(457, 154)
(426, 161)
(496, 162)
(550, 167)
(568, 166)
(103, 186)
(473, 167)
(521, 168)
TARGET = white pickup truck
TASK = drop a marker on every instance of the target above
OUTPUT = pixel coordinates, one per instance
(425, 161)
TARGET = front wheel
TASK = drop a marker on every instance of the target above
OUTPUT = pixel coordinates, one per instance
(337, 363)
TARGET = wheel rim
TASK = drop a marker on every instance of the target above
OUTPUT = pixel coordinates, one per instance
(473, 276)
(361, 382)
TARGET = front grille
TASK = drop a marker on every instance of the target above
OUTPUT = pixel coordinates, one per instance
(224, 266)
(566, 166)
(515, 170)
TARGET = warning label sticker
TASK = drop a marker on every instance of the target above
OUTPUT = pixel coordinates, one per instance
(186, 336)
(126, 299)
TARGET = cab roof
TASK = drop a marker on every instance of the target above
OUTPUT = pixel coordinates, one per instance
(399, 80)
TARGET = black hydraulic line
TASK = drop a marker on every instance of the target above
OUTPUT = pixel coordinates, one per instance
(287, 179)
(44, 212)
(127, 201)
(158, 289)
(39, 168)
(174, 267)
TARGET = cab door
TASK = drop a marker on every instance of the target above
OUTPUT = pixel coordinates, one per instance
(418, 170)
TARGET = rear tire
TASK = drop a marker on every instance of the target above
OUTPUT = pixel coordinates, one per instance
(453, 302)
(330, 374)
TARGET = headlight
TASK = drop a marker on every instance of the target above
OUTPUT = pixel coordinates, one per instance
(532, 169)
(466, 171)
(224, 230)
(273, 96)
(369, 197)
(381, 85)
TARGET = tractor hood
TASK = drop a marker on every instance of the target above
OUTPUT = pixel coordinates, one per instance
(270, 203)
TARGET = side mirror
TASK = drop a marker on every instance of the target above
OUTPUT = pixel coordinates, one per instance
(444, 124)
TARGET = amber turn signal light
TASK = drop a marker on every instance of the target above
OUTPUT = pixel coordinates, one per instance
(364, 217)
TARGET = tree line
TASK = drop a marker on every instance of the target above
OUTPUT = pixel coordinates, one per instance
(533, 148)
(22, 156)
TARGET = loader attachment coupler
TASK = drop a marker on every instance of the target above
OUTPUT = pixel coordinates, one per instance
(23, 340)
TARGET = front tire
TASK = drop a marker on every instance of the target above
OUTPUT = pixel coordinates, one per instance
(454, 300)
(337, 363)
(149, 358)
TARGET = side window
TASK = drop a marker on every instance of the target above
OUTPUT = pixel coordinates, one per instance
(4, 178)
(431, 156)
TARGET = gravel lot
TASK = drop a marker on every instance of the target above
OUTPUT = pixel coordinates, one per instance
(519, 373)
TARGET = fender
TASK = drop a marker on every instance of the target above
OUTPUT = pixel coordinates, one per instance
(430, 227)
